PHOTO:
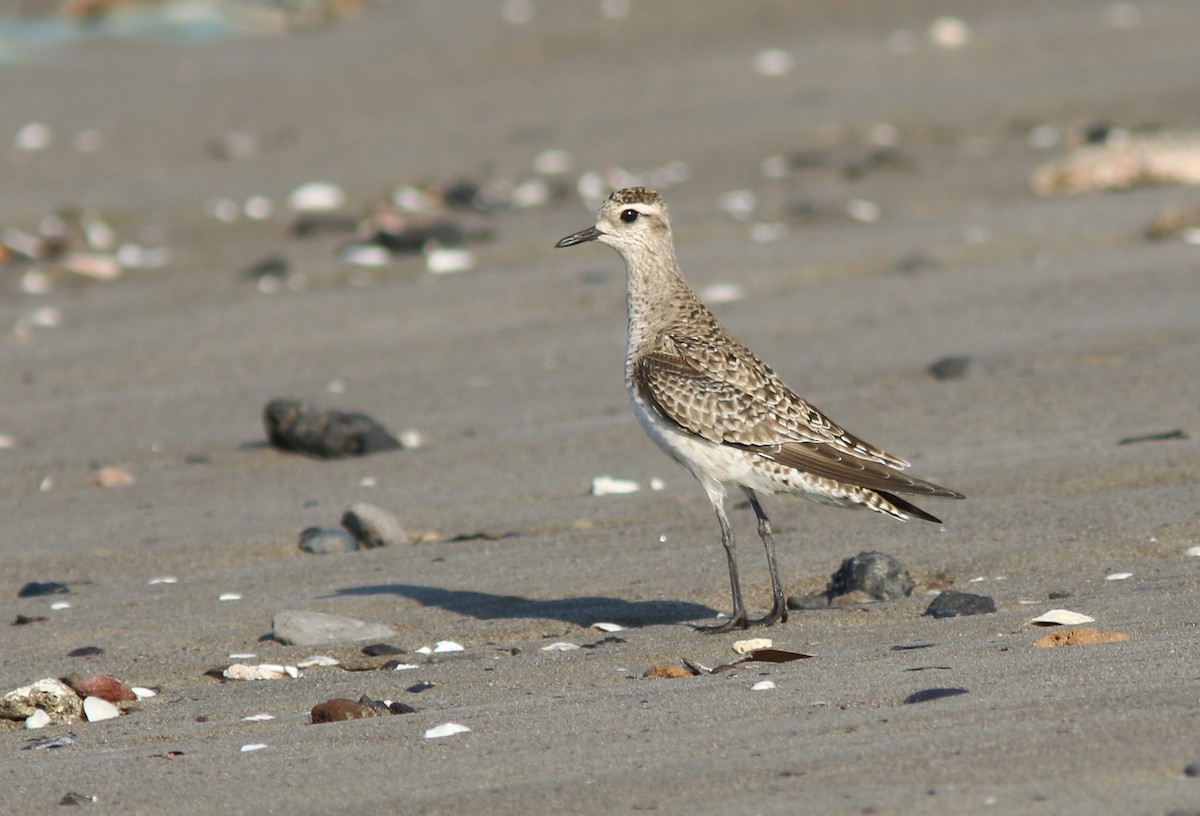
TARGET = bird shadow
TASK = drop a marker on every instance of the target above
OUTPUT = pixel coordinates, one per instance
(579, 611)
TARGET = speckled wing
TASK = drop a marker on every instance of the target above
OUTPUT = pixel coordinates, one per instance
(727, 396)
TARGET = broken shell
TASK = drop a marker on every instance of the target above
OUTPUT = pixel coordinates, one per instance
(608, 627)
(317, 196)
(1061, 617)
(254, 746)
(608, 486)
(447, 646)
(446, 730)
(560, 646)
(38, 719)
(444, 260)
(744, 646)
(111, 477)
(96, 709)
(763, 685)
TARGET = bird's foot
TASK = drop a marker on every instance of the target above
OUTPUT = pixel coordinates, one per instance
(777, 615)
(738, 621)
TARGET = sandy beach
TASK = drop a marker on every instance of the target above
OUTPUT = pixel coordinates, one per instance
(851, 184)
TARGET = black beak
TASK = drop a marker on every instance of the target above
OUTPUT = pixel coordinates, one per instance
(581, 237)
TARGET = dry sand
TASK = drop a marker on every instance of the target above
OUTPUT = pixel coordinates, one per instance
(512, 374)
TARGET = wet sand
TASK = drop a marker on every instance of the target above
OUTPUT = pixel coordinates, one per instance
(512, 373)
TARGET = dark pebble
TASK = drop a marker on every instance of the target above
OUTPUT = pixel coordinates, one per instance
(1058, 595)
(401, 708)
(35, 588)
(85, 651)
(417, 688)
(1192, 769)
(373, 526)
(927, 695)
(74, 798)
(951, 603)
(294, 426)
(273, 266)
(381, 650)
(22, 620)
(958, 367)
(61, 741)
(877, 574)
(339, 709)
(414, 239)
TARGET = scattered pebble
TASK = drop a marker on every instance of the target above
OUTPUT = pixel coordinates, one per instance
(381, 650)
(879, 575)
(165, 579)
(1192, 769)
(85, 651)
(96, 709)
(1161, 436)
(1078, 636)
(43, 743)
(1061, 617)
(34, 589)
(959, 367)
(444, 260)
(323, 541)
(609, 486)
(373, 526)
(763, 685)
(739, 204)
(111, 477)
(295, 426)
(33, 136)
(76, 798)
(868, 212)
(340, 709)
(446, 730)
(745, 646)
(951, 603)
(105, 687)
(50, 694)
(304, 628)
(60, 605)
(369, 255)
(1192, 552)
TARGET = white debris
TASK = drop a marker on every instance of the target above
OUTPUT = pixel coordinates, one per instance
(229, 596)
(446, 730)
(774, 167)
(552, 162)
(1061, 617)
(405, 666)
(862, 210)
(364, 255)
(763, 685)
(739, 204)
(722, 293)
(318, 660)
(657, 484)
(35, 282)
(1193, 552)
(34, 136)
(608, 486)
(949, 32)
(317, 196)
(766, 233)
(531, 193)
(225, 210)
(425, 650)
(253, 746)
(38, 719)
(447, 646)
(410, 438)
(560, 646)
(263, 671)
(164, 579)
(773, 62)
(57, 605)
(608, 627)
(96, 709)
(7, 442)
(444, 260)
(259, 717)
(143, 693)
(1118, 576)
(744, 646)
(258, 208)
(243, 656)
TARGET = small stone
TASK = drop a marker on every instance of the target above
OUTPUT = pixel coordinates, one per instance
(34, 589)
(85, 651)
(381, 650)
(1192, 769)
(666, 671)
(339, 709)
(104, 686)
(96, 709)
(373, 527)
(324, 541)
(879, 575)
(294, 426)
(958, 367)
(24, 620)
(304, 628)
(951, 603)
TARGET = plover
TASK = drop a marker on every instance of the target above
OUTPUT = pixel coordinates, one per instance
(720, 412)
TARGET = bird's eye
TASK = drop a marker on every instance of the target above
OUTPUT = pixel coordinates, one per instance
(629, 216)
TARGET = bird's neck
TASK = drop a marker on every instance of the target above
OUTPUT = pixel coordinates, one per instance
(656, 295)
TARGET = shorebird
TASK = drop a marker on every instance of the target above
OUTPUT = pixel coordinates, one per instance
(723, 414)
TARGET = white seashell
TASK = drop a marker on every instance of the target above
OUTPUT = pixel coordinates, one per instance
(444, 260)
(763, 685)
(446, 730)
(243, 656)
(229, 596)
(447, 646)
(165, 579)
(743, 646)
(1061, 617)
(657, 484)
(96, 709)
(45, 318)
(36, 282)
(364, 255)
(722, 293)
(253, 746)
(265, 671)
(34, 136)
(560, 646)
(143, 693)
(368, 481)
(60, 605)
(410, 438)
(1193, 552)
(317, 196)
(1118, 576)
(773, 62)
(259, 717)
(405, 666)
(38, 719)
(425, 650)
(608, 627)
(976, 579)
(608, 486)
(318, 660)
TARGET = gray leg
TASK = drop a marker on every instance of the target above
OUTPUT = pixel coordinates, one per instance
(779, 606)
(738, 618)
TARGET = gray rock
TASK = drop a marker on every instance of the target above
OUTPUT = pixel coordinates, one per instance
(373, 526)
(317, 628)
(952, 603)
(320, 541)
(877, 574)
